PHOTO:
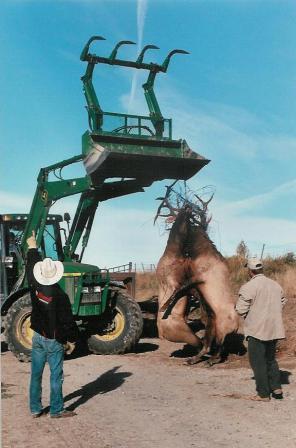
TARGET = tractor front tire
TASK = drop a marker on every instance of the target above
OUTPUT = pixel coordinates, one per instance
(123, 333)
(18, 333)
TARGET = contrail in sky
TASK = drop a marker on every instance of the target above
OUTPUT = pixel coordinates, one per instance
(141, 15)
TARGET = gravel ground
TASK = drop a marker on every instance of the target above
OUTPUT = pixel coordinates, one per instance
(149, 399)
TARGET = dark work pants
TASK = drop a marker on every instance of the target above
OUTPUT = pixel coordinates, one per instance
(264, 365)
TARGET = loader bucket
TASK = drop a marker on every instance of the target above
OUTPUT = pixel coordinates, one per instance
(144, 159)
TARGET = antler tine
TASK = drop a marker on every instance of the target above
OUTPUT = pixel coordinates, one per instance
(204, 203)
(212, 195)
(157, 213)
(169, 188)
(169, 206)
(165, 204)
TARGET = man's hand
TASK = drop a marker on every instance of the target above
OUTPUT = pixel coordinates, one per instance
(31, 241)
(69, 347)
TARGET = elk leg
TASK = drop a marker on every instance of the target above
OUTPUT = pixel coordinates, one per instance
(215, 357)
(175, 328)
(197, 358)
(208, 340)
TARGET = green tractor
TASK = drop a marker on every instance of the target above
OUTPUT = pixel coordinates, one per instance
(121, 154)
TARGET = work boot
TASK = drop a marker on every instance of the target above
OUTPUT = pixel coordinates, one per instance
(38, 414)
(277, 394)
(64, 414)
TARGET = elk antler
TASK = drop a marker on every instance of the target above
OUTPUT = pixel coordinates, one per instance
(204, 203)
(165, 204)
(203, 219)
(196, 209)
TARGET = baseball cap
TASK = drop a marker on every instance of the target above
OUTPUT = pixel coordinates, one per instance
(254, 263)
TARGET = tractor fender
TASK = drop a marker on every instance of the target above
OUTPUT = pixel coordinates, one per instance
(11, 299)
(117, 284)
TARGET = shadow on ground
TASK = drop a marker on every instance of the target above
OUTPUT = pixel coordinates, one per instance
(143, 347)
(108, 381)
(82, 350)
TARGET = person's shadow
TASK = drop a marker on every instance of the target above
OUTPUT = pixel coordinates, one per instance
(108, 381)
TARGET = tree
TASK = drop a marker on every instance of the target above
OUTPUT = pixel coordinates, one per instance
(242, 250)
(289, 258)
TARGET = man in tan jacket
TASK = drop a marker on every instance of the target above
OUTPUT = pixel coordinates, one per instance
(260, 303)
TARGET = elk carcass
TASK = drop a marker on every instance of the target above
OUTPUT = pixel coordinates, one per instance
(192, 264)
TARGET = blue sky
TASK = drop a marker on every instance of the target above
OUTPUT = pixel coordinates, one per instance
(233, 99)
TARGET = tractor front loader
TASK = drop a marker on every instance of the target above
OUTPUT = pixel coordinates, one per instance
(121, 154)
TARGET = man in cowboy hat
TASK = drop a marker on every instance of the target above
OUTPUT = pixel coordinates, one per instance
(260, 303)
(53, 326)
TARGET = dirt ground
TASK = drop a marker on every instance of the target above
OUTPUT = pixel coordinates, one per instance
(150, 399)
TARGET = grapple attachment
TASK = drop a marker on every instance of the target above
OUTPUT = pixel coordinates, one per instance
(132, 146)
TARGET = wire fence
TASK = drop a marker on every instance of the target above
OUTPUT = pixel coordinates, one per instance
(144, 267)
(134, 267)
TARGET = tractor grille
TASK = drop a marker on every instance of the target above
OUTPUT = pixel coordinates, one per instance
(91, 294)
(70, 288)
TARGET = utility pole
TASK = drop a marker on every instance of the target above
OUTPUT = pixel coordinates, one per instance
(263, 247)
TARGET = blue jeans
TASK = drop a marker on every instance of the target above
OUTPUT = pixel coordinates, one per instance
(46, 350)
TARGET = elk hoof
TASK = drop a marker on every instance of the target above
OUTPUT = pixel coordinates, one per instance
(191, 361)
(211, 362)
(208, 363)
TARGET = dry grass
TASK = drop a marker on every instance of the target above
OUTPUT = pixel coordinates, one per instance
(277, 268)
(288, 345)
(146, 286)
(287, 279)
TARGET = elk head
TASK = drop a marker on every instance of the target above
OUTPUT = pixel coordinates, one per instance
(197, 209)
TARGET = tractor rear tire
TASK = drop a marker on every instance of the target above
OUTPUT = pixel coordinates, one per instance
(18, 333)
(123, 333)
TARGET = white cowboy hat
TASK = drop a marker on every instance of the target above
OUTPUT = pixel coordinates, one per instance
(48, 272)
